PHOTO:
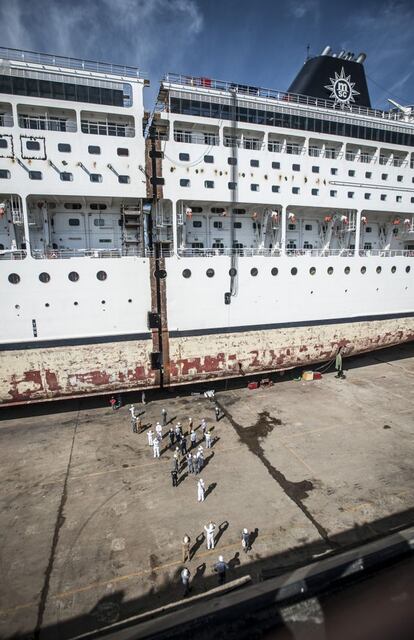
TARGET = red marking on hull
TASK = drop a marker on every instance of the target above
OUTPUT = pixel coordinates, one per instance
(29, 378)
(52, 381)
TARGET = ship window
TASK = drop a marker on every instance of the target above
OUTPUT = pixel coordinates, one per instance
(275, 165)
(217, 224)
(35, 175)
(74, 222)
(407, 269)
(395, 231)
(94, 150)
(72, 205)
(291, 227)
(210, 273)
(295, 190)
(14, 278)
(209, 159)
(315, 169)
(99, 222)
(215, 210)
(184, 182)
(237, 225)
(368, 174)
(254, 163)
(95, 177)
(122, 151)
(185, 157)
(65, 176)
(32, 145)
(73, 276)
(383, 196)
(44, 277)
(399, 178)
(384, 176)
(232, 161)
(124, 179)
(312, 271)
(101, 275)
(398, 198)
(275, 188)
(411, 200)
(307, 245)
(105, 240)
(274, 271)
(367, 196)
(197, 245)
(393, 269)
(254, 271)
(97, 206)
(330, 270)
(308, 227)
(351, 173)
(232, 185)
(197, 209)
(295, 167)
(209, 184)
(363, 269)
(4, 174)
(347, 270)
(378, 269)
(333, 193)
(3, 143)
(218, 245)
(350, 194)
(239, 211)
(186, 273)
(232, 272)
(334, 171)
(315, 192)
(293, 271)
(367, 246)
(197, 224)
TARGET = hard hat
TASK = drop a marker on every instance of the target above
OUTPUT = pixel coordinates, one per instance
(221, 559)
(245, 531)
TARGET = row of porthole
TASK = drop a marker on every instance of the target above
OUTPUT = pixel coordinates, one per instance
(76, 303)
(274, 271)
(44, 277)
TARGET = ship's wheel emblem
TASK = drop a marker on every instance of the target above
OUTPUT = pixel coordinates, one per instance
(342, 89)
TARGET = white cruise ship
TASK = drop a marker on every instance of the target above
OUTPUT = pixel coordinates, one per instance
(235, 230)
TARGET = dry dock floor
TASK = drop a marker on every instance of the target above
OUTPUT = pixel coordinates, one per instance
(91, 527)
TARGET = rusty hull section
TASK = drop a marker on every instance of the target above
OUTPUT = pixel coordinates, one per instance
(227, 355)
(29, 375)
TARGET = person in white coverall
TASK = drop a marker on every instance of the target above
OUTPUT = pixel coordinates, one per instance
(200, 490)
(210, 529)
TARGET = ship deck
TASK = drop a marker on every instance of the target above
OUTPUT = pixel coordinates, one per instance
(91, 526)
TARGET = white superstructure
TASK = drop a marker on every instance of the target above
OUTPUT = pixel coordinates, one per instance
(281, 227)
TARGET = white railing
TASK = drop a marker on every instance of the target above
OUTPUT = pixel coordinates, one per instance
(70, 63)
(312, 253)
(6, 120)
(107, 129)
(291, 98)
(10, 254)
(45, 124)
(52, 254)
(197, 138)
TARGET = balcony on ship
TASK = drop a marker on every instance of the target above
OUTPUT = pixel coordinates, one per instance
(195, 133)
(107, 124)
(46, 118)
(6, 115)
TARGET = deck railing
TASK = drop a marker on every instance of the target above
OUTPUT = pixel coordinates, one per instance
(10, 254)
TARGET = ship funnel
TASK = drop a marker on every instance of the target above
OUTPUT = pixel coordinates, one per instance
(326, 51)
(341, 54)
(361, 58)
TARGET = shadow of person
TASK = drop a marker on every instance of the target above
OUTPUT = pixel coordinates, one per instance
(182, 478)
(108, 609)
(199, 541)
(171, 420)
(207, 460)
(234, 562)
(214, 441)
(210, 489)
(199, 572)
(253, 536)
(222, 528)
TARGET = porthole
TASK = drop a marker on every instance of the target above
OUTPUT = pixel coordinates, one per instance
(186, 273)
(330, 270)
(73, 276)
(17, 306)
(293, 271)
(274, 271)
(47, 304)
(407, 269)
(103, 301)
(14, 278)
(76, 304)
(254, 271)
(312, 271)
(101, 275)
(210, 273)
(347, 270)
(363, 269)
(44, 277)
(393, 269)
(378, 269)
(232, 272)
(161, 273)
(129, 299)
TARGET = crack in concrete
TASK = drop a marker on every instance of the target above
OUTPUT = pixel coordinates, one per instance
(60, 519)
(296, 491)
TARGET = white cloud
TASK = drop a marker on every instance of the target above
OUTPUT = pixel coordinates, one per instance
(301, 8)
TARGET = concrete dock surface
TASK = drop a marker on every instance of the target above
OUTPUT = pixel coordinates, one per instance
(91, 526)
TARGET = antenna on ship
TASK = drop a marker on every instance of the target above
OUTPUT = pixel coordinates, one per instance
(307, 52)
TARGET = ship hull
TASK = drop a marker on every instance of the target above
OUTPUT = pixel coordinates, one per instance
(120, 365)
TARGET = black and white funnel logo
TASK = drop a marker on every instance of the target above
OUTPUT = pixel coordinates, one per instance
(342, 89)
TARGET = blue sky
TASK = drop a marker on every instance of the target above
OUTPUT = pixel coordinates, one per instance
(258, 42)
